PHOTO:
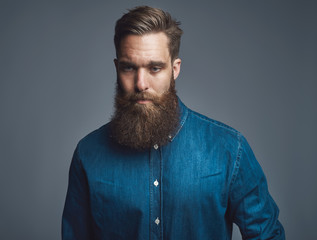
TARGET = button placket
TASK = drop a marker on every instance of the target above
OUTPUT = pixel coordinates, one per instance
(155, 193)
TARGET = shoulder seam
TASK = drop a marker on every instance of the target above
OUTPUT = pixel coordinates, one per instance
(236, 165)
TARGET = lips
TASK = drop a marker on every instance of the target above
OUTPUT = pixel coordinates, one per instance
(143, 101)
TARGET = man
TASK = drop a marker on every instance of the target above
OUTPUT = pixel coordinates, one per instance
(159, 170)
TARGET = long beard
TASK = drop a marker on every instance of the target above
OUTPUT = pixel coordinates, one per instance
(141, 126)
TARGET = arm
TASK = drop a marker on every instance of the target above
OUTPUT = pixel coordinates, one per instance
(76, 222)
(251, 206)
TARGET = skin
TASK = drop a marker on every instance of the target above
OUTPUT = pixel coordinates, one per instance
(144, 65)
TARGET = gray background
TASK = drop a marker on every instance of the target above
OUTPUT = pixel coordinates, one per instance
(250, 64)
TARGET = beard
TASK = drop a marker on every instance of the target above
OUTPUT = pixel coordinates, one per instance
(140, 126)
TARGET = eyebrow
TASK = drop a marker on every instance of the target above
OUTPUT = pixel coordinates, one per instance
(150, 64)
(126, 63)
(157, 63)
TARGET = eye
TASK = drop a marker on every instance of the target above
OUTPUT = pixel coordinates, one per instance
(126, 68)
(155, 69)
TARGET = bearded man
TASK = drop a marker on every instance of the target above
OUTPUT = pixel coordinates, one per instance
(159, 170)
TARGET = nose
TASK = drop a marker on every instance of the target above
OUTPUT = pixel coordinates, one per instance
(141, 82)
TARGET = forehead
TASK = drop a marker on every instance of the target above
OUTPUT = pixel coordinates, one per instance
(152, 46)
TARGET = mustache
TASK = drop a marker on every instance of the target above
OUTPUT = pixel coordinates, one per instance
(134, 97)
(142, 96)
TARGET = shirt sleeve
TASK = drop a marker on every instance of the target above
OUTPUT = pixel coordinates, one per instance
(251, 206)
(76, 222)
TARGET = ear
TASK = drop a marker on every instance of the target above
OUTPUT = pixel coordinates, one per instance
(176, 67)
(116, 63)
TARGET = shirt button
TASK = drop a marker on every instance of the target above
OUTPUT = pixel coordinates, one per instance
(155, 146)
(156, 183)
(157, 221)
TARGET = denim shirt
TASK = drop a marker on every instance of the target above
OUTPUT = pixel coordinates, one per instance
(195, 187)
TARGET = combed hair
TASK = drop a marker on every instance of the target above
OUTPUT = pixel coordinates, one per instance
(143, 20)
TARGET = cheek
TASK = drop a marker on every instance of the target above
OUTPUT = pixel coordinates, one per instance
(161, 86)
(125, 83)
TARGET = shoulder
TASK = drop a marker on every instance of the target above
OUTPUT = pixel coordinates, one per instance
(211, 127)
(93, 141)
(212, 122)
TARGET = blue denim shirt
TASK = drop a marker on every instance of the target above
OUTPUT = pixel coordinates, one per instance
(195, 187)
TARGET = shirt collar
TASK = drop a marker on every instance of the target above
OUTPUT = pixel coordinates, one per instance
(183, 116)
